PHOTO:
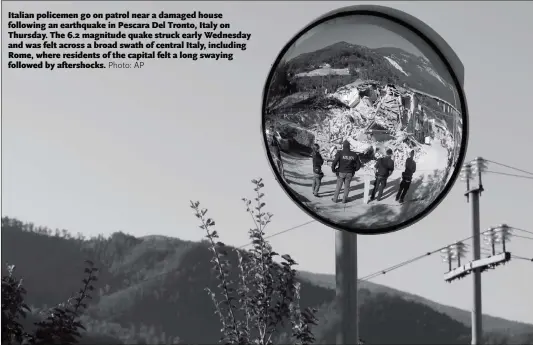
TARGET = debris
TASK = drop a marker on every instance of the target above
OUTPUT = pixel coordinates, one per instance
(374, 117)
(347, 95)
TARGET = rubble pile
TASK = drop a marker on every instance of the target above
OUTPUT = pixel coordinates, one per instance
(401, 153)
(390, 109)
(364, 110)
(373, 118)
(373, 107)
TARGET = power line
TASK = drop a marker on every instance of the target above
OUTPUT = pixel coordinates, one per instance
(155, 276)
(524, 237)
(281, 232)
(510, 167)
(512, 175)
(370, 276)
(521, 258)
(523, 230)
(407, 262)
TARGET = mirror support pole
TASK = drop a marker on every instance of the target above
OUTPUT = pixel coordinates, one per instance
(347, 287)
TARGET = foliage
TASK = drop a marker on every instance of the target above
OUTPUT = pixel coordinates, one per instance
(13, 308)
(61, 326)
(254, 309)
(366, 64)
(362, 63)
(280, 84)
(322, 83)
(156, 306)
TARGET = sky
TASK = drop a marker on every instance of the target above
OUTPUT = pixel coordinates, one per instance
(104, 151)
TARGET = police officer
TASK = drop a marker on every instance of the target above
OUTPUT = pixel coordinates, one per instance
(407, 177)
(384, 168)
(317, 169)
(345, 164)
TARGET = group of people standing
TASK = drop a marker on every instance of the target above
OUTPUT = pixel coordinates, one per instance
(346, 162)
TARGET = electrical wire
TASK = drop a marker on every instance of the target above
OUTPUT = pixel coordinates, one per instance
(281, 232)
(523, 230)
(509, 167)
(511, 175)
(521, 258)
(377, 273)
(407, 262)
(155, 276)
(524, 237)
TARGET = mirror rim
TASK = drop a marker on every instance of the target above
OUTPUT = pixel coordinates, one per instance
(378, 11)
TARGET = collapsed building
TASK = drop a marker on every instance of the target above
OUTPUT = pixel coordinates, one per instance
(374, 117)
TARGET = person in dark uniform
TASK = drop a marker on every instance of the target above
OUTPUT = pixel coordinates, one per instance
(345, 164)
(318, 161)
(275, 150)
(407, 177)
(384, 168)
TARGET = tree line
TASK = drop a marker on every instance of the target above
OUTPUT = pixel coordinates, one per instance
(260, 305)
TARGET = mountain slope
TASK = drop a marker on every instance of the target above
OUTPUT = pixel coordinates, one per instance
(388, 65)
(490, 323)
(420, 74)
(153, 288)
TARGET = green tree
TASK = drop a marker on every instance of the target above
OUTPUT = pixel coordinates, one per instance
(253, 308)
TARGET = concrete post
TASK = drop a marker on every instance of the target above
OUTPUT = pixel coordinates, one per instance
(477, 329)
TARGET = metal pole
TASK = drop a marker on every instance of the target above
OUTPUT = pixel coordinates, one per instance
(477, 329)
(346, 287)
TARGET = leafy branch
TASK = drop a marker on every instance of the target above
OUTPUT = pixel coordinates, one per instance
(267, 293)
(61, 326)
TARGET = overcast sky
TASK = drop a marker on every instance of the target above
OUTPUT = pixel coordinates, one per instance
(102, 151)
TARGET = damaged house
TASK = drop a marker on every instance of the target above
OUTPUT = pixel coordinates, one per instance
(384, 111)
(371, 115)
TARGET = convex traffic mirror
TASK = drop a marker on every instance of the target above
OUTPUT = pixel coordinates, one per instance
(364, 122)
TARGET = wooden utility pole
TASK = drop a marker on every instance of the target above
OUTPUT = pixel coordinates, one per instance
(346, 287)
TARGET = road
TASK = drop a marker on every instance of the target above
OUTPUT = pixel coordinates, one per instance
(427, 182)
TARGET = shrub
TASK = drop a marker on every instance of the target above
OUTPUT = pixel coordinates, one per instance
(13, 308)
(61, 326)
(254, 308)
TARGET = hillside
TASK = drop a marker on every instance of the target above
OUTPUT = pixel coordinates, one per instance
(387, 65)
(151, 289)
(490, 323)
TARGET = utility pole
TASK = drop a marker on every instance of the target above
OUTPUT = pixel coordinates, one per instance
(469, 172)
(476, 167)
(477, 328)
(346, 287)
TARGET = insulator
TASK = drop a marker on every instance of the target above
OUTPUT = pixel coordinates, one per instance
(489, 232)
(466, 172)
(479, 165)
